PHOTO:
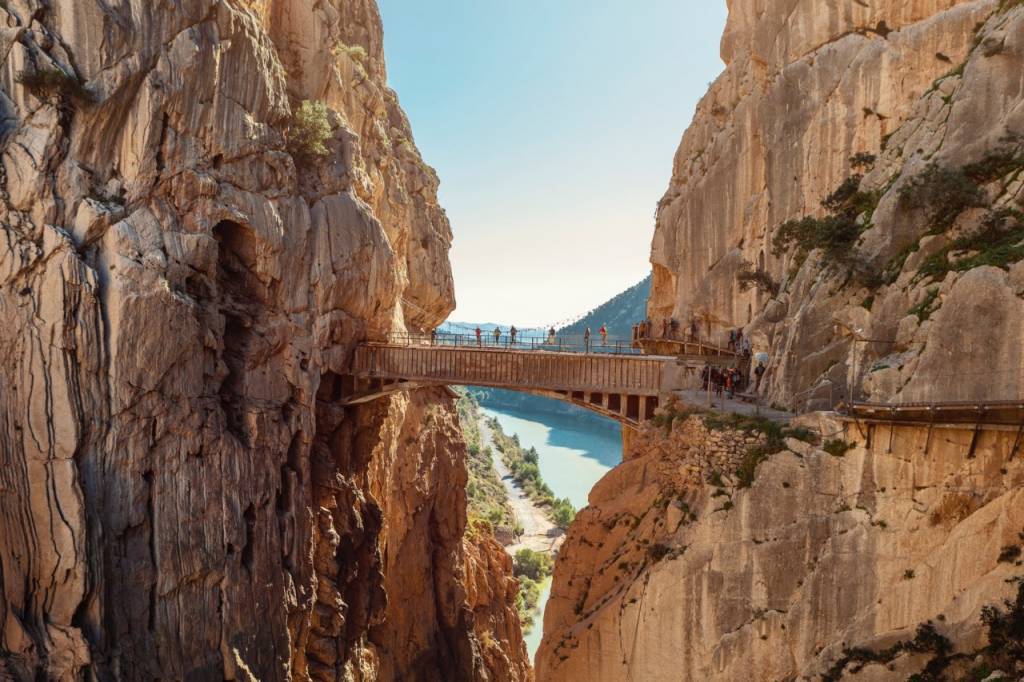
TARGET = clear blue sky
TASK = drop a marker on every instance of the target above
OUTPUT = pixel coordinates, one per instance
(552, 125)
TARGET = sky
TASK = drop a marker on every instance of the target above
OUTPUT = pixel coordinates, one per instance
(552, 125)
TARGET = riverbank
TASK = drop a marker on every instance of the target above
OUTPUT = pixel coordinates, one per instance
(539, 532)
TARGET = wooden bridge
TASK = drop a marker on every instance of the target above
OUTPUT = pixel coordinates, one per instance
(624, 386)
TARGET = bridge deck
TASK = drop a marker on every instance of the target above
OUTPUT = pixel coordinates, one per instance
(525, 370)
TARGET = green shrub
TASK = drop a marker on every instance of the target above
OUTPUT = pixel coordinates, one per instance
(849, 212)
(863, 161)
(836, 447)
(999, 242)
(927, 306)
(309, 131)
(943, 193)
(530, 564)
(564, 513)
(48, 81)
(748, 277)
(1009, 554)
(997, 163)
(1006, 630)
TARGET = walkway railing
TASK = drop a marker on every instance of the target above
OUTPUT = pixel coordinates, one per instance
(552, 344)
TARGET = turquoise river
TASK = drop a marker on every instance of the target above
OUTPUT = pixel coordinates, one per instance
(574, 453)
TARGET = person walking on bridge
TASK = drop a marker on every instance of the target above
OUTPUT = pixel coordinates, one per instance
(433, 337)
(551, 336)
(497, 336)
(603, 331)
(586, 340)
(759, 374)
(512, 334)
(479, 341)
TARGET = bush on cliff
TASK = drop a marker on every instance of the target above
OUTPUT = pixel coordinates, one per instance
(48, 81)
(943, 193)
(531, 564)
(309, 131)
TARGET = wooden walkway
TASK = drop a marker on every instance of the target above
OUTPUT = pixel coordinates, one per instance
(622, 387)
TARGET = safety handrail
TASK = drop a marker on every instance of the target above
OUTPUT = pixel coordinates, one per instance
(559, 343)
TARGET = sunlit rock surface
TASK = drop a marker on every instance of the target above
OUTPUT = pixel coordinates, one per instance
(181, 494)
(808, 85)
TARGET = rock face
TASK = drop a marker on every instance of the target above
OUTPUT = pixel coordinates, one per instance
(808, 86)
(665, 578)
(181, 494)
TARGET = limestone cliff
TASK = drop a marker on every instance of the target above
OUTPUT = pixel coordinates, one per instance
(181, 494)
(906, 119)
(677, 571)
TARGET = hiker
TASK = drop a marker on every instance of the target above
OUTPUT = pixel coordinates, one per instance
(647, 328)
(497, 336)
(732, 340)
(705, 377)
(745, 347)
(603, 331)
(758, 374)
(586, 340)
(674, 326)
(730, 385)
(512, 333)
(718, 381)
(551, 335)
(694, 330)
(433, 337)
(479, 341)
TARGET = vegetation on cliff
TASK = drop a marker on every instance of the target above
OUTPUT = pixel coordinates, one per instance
(486, 497)
(524, 465)
(532, 569)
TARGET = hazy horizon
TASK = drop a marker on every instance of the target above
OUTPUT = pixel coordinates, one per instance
(553, 134)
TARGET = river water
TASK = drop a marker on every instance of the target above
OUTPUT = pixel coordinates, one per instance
(574, 453)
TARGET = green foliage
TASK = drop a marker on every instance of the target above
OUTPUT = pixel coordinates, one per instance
(997, 163)
(748, 277)
(837, 447)
(927, 306)
(999, 242)
(943, 193)
(926, 640)
(486, 497)
(525, 469)
(563, 513)
(531, 564)
(1006, 630)
(863, 161)
(774, 436)
(670, 414)
(849, 212)
(1009, 554)
(309, 131)
(49, 81)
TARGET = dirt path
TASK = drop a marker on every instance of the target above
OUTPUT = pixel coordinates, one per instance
(539, 533)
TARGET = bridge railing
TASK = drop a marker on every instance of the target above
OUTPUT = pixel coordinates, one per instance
(522, 342)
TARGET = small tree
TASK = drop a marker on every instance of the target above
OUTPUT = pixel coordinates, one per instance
(564, 513)
(309, 131)
(530, 564)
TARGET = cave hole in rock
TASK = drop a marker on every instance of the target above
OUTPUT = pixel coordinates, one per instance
(243, 296)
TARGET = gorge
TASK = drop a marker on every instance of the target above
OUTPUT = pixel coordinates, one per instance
(208, 206)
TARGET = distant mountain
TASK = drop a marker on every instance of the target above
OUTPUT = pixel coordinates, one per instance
(619, 314)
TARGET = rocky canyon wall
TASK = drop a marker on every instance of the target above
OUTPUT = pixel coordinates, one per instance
(677, 570)
(182, 496)
(864, 98)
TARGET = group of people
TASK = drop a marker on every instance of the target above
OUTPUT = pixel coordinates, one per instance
(738, 343)
(513, 333)
(730, 381)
